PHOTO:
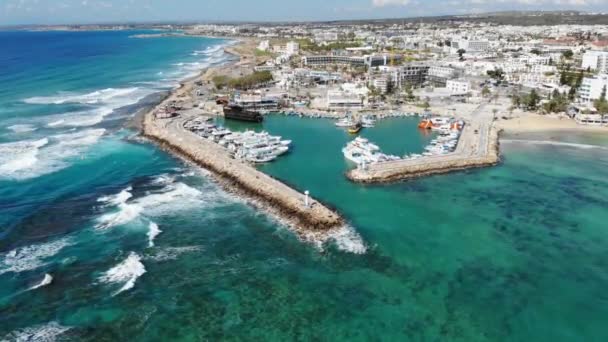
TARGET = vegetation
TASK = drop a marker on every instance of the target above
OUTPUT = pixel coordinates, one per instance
(262, 53)
(461, 53)
(558, 103)
(485, 92)
(497, 74)
(409, 93)
(601, 104)
(245, 82)
(308, 45)
(528, 102)
(568, 54)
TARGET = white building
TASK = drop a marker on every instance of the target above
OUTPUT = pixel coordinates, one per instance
(326, 36)
(380, 82)
(596, 60)
(458, 86)
(292, 48)
(264, 45)
(592, 87)
(343, 100)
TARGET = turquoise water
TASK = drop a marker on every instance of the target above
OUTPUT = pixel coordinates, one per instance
(511, 253)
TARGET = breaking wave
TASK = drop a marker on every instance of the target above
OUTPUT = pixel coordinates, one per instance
(95, 97)
(29, 159)
(153, 232)
(348, 240)
(125, 273)
(20, 155)
(41, 333)
(30, 257)
(47, 280)
(22, 128)
(174, 196)
(553, 143)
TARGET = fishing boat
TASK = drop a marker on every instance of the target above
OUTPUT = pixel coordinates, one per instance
(355, 128)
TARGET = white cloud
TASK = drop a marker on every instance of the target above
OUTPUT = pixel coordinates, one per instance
(382, 3)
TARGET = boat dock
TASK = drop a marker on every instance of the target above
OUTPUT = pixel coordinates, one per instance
(241, 177)
(477, 147)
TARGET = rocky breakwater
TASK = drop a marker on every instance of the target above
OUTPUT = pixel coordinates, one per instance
(310, 222)
(478, 147)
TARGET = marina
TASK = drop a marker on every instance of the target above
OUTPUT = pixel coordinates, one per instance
(248, 145)
(306, 215)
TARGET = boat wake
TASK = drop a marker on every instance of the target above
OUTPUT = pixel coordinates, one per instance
(30, 257)
(42, 333)
(125, 273)
(553, 143)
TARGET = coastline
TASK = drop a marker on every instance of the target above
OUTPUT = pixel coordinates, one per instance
(314, 223)
(526, 122)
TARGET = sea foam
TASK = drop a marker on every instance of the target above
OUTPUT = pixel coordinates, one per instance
(30, 257)
(171, 198)
(41, 333)
(348, 240)
(95, 97)
(30, 159)
(153, 232)
(125, 273)
(47, 280)
(22, 128)
(18, 156)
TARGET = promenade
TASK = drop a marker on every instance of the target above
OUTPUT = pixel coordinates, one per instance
(478, 146)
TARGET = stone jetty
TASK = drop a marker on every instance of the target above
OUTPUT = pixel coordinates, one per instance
(478, 147)
(241, 177)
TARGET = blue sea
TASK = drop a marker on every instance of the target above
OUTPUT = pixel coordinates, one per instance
(103, 236)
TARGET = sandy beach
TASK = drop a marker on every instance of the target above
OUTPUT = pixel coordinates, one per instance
(526, 122)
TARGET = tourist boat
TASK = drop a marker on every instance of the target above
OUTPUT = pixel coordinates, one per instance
(360, 151)
(346, 122)
(235, 112)
(425, 124)
(355, 129)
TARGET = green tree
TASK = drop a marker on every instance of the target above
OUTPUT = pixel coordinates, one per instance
(485, 92)
(601, 104)
(532, 100)
(461, 53)
(568, 54)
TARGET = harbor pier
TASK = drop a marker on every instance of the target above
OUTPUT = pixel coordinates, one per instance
(305, 214)
(477, 147)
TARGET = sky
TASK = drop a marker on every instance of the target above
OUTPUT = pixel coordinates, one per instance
(16, 12)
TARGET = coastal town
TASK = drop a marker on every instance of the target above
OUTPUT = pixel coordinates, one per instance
(465, 82)
(348, 170)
